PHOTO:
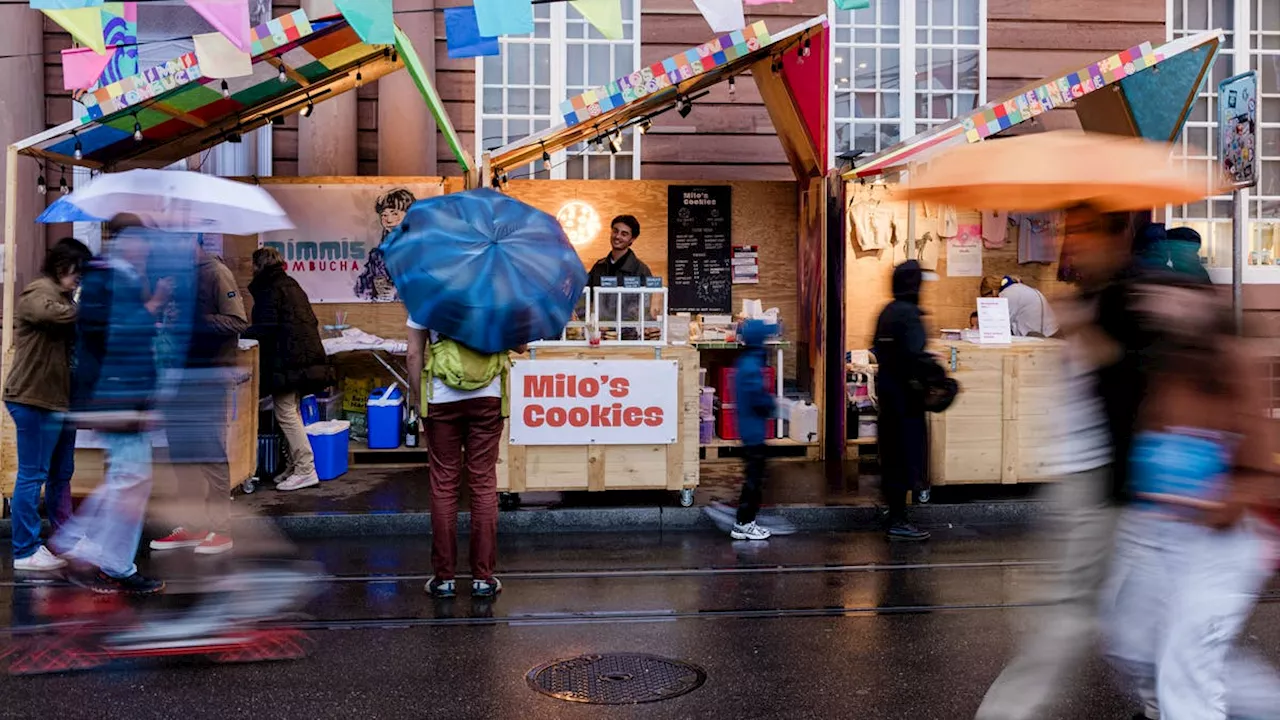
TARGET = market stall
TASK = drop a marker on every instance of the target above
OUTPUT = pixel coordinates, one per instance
(716, 251)
(166, 114)
(992, 433)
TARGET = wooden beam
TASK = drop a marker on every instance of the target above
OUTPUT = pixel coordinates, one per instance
(177, 114)
(10, 257)
(292, 74)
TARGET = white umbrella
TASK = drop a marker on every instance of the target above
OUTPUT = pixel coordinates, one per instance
(175, 201)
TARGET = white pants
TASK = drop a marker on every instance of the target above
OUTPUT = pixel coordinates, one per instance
(1178, 596)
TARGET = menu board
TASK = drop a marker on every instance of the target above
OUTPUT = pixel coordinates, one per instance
(699, 249)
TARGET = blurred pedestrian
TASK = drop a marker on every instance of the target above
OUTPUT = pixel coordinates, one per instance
(37, 396)
(902, 363)
(1081, 454)
(461, 394)
(196, 413)
(756, 408)
(114, 394)
(1190, 556)
(292, 361)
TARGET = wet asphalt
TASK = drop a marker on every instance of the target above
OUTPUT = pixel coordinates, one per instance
(817, 625)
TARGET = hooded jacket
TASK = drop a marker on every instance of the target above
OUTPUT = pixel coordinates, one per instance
(291, 354)
(755, 403)
(902, 363)
(44, 333)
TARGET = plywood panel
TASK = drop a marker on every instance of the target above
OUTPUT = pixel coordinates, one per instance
(1140, 11)
(696, 173)
(707, 148)
(1072, 35)
(1028, 66)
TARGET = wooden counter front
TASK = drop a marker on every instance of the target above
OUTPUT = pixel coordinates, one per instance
(531, 468)
(998, 429)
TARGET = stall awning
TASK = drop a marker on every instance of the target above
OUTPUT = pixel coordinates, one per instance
(1147, 102)
(794, 91)
(181, 112)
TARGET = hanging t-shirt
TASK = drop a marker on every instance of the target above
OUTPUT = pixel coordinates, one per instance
(1038, 237)
(861, 219)
(995, 228)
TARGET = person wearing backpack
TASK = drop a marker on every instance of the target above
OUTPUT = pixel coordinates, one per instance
(462, 398)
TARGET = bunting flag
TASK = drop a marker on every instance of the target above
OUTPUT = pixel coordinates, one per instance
(84, 24)
(462, 34)
(81, 67)
(218, 58)
(853, 4)
(496, 18)
(120, 28)
(229, 17)
(64, 4)
(371, 19)
(723, 15)
(604, 15)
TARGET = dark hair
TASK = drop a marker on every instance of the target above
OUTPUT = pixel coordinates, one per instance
(631, 222)
(398, 199)
(973, 314)
(266, 257)
(68, 255)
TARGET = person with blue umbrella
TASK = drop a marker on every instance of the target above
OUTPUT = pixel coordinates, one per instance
(481, 274)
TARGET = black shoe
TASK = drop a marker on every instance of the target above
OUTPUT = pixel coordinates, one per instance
(438, 588)
(135, 584)
(903, 530)
(486, 588)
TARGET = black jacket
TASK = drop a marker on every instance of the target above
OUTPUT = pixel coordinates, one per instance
(628, 266)
(902, 363)
(291, 355)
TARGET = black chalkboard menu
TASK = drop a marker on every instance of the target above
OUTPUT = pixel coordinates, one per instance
(699, 249)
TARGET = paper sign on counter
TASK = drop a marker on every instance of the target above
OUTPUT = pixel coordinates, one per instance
(993, 321)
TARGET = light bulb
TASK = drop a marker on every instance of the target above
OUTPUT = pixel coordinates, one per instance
(546, 161)
(284, 76)
(41, 186)
(359, 78)
(733, 89)
(137, 131)
(79, 151)
(62, 186)
(226, 89)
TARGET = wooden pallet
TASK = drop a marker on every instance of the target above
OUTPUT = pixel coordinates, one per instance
(781, 448)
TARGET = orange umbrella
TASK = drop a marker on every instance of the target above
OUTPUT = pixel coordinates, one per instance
(1055, 170)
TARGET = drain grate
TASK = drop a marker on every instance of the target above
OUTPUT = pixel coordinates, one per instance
(619, 679)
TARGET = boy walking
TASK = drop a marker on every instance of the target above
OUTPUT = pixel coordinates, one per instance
(755, 408)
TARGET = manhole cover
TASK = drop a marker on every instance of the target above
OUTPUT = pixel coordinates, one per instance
(622, 679)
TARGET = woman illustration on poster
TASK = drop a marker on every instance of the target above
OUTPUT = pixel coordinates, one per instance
(374, 283)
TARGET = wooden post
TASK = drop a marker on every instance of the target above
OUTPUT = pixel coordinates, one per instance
(10, 256)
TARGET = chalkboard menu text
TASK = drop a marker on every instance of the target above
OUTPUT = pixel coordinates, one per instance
(699, 248)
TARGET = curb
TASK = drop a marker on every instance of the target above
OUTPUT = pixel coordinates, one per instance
(651, 519)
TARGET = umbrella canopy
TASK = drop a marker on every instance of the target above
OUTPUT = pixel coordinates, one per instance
(173, 201)
(1055, 170)
(485, 269)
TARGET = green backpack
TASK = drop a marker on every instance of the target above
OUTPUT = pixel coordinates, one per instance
(461, 368)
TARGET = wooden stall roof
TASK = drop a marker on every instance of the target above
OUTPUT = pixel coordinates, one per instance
(802, 151)
(320, 60)
(1194, 56)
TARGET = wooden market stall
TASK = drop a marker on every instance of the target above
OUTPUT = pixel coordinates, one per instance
(297, 62)
(995, 431)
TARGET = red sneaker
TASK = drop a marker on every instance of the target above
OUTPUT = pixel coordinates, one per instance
(215, 544)
(179, 538)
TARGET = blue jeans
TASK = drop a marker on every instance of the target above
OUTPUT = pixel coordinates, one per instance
(46, 461)
(108, 526)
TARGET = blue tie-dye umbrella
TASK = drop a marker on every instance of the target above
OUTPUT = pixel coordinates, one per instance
(485, 269)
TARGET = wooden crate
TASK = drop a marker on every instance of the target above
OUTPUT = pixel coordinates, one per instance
(1000, 425)
(527, 468)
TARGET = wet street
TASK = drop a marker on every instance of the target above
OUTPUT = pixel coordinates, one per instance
(820, 625)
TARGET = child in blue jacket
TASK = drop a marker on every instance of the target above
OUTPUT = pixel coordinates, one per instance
(756, 407)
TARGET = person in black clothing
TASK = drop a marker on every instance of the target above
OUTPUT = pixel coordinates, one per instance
(291, 356)
(899, 348)
(621, 262)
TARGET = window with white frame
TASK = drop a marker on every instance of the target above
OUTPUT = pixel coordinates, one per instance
(519, 91)
(1251, 42)
(900, 68)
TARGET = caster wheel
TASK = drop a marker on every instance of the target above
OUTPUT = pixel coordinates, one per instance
(923, 496)
(249, 486)
(686, 498)
(508, 501)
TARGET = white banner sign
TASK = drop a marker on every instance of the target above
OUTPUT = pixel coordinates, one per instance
(333, 252)
(594, 402)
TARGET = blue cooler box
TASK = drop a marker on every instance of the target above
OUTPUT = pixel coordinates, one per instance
(330, 441)
(385, 415)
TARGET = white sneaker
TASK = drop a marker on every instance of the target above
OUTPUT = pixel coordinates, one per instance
(750, 531)
(297, 482)
(40, 561)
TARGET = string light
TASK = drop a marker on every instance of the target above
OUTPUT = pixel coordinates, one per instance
(546, 158)
(644, 126)
(283, 76)
(615, 142)
(79, 151)
(62, 182)
(359, 78)
(806, 52)
(306, 111)
(137, 129)
(733, 89)
(41, 186)
(226, 89)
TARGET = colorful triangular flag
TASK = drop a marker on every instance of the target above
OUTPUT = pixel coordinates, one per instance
(722, 15)
(853, 4)
(81, 67)
(604, 15)
(462, 34)
(84, 24)
(496, 18)
(64, 4)
(371, 19)
(229, 17)
(218, 58)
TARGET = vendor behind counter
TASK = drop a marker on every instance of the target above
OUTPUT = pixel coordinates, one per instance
(1029, 312)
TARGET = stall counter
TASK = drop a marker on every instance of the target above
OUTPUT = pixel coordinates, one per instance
(1000, 424)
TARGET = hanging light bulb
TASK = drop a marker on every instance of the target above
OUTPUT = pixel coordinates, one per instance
(41, 186)
(806, 52)
(684, 106)
(283, 76)
(79, 151)
(62, 183)
(733, 89)
(546, 160)
(226, 89)
(615, 142)
(137, 129)
(359, 78)
(800, 56)
(306, 111)
(645, 126)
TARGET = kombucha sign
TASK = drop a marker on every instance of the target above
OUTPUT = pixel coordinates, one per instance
(594, 402)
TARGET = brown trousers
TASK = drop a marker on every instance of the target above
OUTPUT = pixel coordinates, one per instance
(470, 431)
